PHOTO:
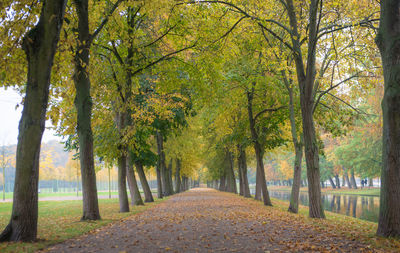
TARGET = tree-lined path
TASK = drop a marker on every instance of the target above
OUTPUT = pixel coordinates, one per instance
(205, 220)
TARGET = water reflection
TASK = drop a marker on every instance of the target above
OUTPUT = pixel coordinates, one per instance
(362, 207)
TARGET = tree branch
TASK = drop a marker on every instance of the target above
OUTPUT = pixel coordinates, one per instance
(159, 38)
(333, 87)
(335, 27)
(268, 110)
(104, 22)
(165, 57)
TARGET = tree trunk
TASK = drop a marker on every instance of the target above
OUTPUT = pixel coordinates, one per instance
(83, 104)
(331, 182)
(169, 178)
(306, 82)
(258, 195)
(240, 175)
(258, 150)
(148, 196)
(343, 181)
(230, 175)
(371, 182)
(242, 163)
(178, 183)
(39, 45)
(298, 148)
(353, 179)
(160, 194)
(185, 183)
(136, 198)
(337, 181)
(122, 194)
(346, 176)
(161, 165)
(312, 160)
(388, 41)
(109, 182)
(295, 193)
(222, 181)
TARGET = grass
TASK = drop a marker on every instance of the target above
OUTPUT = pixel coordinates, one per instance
(9, 195)
(364, 191)
(59, 221)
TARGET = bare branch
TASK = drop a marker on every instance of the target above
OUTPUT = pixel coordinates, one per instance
(333, 87)
(335, 27)
(349, 105)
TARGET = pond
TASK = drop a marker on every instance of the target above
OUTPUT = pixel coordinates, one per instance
(362, 207)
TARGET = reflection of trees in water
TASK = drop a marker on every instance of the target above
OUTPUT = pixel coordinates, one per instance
(367, 208)
(333, 203)
(347, 204)
(354, 203)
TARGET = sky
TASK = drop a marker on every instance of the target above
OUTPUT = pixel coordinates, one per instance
(10, 116)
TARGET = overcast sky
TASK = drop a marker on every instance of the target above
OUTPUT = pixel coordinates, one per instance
(9, 118)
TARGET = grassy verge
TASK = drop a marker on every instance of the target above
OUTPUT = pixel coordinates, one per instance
(59, 221)
(364, 191)
(339, 225)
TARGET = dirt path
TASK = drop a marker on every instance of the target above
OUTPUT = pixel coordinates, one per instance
(204, 220)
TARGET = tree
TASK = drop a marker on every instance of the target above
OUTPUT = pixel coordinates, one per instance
(83, 104)
(39, 44)
(388, 43)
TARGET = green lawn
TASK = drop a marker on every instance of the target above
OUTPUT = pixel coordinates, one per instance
(9, 195)
(59, 221)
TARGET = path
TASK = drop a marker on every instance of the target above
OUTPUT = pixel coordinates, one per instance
(204, 220)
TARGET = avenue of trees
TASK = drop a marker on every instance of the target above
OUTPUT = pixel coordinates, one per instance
(205, 89)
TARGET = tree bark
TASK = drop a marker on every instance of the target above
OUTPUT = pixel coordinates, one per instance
(242, 163)
(230, 175)
(148, 196)
(185, 183)
(83, 104)
(240, 175)
(306, 82)
(258, 194)
(169, 178)
(39, 45)
(295, 193)
(346, 176)
(161, 165)
(178, 183)
(122, 194)
(388, 41)
(258, 150)
(222, 185)
(331, 182)
(136, 198)
(160, 194)
(298, 148)
(337, 181)
(371, 182)
(353, 179)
